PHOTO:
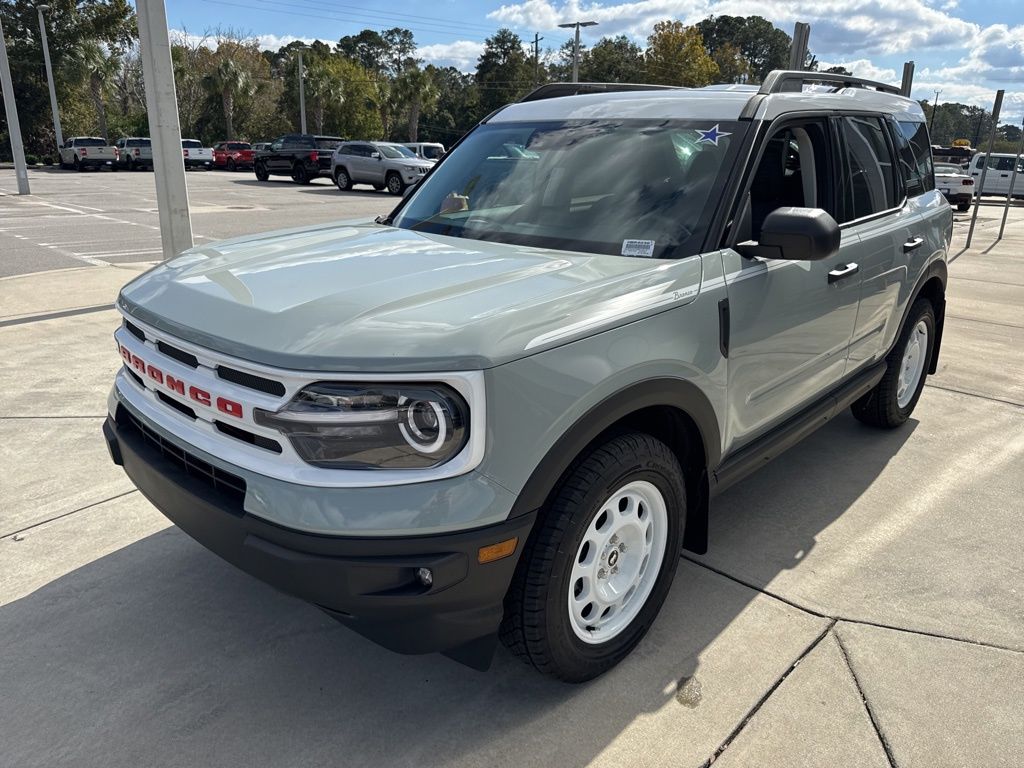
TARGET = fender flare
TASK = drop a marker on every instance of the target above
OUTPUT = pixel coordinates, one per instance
(675, 393)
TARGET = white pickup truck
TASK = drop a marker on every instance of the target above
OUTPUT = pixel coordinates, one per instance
(81, 152)
(196, 155)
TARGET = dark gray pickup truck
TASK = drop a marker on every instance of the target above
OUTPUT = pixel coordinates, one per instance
(303, 156)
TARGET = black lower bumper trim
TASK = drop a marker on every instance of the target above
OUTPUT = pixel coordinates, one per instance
(369, 584)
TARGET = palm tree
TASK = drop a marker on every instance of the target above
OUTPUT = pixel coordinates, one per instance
(417, 90)
(324, 89)
(228, 80)
(95, 64)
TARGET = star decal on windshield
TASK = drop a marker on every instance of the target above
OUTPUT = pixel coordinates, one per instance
(711, 136)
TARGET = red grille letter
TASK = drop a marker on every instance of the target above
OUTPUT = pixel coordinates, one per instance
(175, 385)
(201, 396)
(138, 364)
(126, 354)
(230, 407)
(155, 374)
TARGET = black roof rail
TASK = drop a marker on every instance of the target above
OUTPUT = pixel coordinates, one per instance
(555, 90)
(792, 81)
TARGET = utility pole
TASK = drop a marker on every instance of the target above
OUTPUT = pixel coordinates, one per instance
(13, 126)
(576, 45)
(536, 58)
(164, 129)
(935, 108)
(1013, 181)
(798, 48)
(49, 77)
(996, 107)
(907, 85)
(302, 95)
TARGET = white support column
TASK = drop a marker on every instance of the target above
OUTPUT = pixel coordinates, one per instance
(164, 130)
(13, 126)
(302, 95)
(49, 77)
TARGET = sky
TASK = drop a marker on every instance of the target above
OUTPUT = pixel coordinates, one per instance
(967, 49)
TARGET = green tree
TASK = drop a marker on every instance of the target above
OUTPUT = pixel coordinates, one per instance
(96, 66)
(227, 80)
(503, 72)
(417, 91)
(613, 60)
(733, 66)
(837, 70)
(761, 43)
(456, 109)
(676, 56)
(324, 90)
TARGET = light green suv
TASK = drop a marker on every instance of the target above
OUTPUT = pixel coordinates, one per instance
(502, 410)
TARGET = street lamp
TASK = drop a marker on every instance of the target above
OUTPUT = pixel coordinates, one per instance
(935, 106)
(49, 77)
(576, 45)
(302, 93)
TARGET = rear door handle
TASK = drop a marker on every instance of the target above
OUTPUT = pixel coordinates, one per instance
(843, 270)
(913, 244)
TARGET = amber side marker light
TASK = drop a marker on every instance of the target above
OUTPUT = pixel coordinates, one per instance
(493, 552)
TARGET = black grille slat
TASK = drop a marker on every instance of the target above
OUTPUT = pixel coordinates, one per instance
(135, 331)
(180, 355)
(223, 482)
(248, 437)
(251, 381)
(180, 407)
(134, 375)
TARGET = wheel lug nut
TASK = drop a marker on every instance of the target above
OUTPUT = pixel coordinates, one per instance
(602, 573)
(622, 547)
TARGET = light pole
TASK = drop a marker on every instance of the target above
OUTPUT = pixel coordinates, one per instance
(49, 77)
(576, 45)
(13, 127)
(302, 94)
(935, 106)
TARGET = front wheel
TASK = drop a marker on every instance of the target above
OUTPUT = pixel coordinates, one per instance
(599, 565)
(893, 399)
(261, 172)
(395, 184)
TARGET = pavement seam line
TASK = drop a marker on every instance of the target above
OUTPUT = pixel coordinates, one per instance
(68, 514)
(55, 416)
(863, 622)
(975, 394)
(767, 695)
(864, 700)
(56, 315)
(983, 322)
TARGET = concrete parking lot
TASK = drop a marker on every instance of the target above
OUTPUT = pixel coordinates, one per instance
(862, 603)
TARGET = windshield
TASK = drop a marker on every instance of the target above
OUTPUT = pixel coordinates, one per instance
(395, 151)
(620, 187)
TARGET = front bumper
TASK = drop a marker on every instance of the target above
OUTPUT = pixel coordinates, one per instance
(369, 584)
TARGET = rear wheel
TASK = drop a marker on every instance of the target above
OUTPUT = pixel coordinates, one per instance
(600, 562)
(231, 164)
(260, 170)
(342, 179)
(395, 184)
(962, 207)
(299, 175)
(78, 165)
(893, 399)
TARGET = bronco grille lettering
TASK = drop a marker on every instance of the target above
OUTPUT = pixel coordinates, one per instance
(179, 386)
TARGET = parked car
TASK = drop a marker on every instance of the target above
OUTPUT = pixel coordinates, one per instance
(378, 163)
(503, 408)
(955, 185)
(196, 155)
(133, 152)
(260, 146)
(81, 152)
(426, 150)
(1000, 172)
(232, 155)
(303, 156)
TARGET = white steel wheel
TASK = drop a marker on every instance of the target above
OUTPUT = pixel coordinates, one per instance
(915, 353)
(618, 562)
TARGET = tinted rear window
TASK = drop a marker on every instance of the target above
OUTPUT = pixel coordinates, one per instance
(191, 144)
(90, 143)
(326, 142)
(139, 142)
(238, 145)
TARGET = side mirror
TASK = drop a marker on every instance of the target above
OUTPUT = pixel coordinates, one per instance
(795, 234)
(375, 155)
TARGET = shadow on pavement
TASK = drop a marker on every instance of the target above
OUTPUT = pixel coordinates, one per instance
(162, 654)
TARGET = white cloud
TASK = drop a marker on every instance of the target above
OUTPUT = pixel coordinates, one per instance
(863, 68)
(462, 54)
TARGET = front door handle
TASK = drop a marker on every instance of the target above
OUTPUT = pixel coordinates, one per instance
(913, 244)
(843, 270)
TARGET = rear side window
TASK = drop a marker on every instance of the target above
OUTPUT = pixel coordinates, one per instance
(915, 157)
(870, 185)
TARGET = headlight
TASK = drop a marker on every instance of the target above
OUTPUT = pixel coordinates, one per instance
(409, 168)
(371, 426)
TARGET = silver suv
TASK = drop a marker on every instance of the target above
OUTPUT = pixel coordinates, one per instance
(502, 410)
(381, 164)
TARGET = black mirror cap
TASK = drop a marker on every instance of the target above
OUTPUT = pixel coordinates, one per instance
(796, 234)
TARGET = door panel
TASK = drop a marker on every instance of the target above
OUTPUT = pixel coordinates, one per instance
(789, 333)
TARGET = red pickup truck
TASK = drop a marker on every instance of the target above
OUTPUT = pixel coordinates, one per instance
(232, 155)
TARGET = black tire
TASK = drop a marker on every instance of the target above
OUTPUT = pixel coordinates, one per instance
(299, 174)
(342, 179)
(231, 164)
(536, 626)
(78, 165)
(378, 187)
(260, 169)
(880, 407)
(963, 207)
(131, 165)
(394, 183)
